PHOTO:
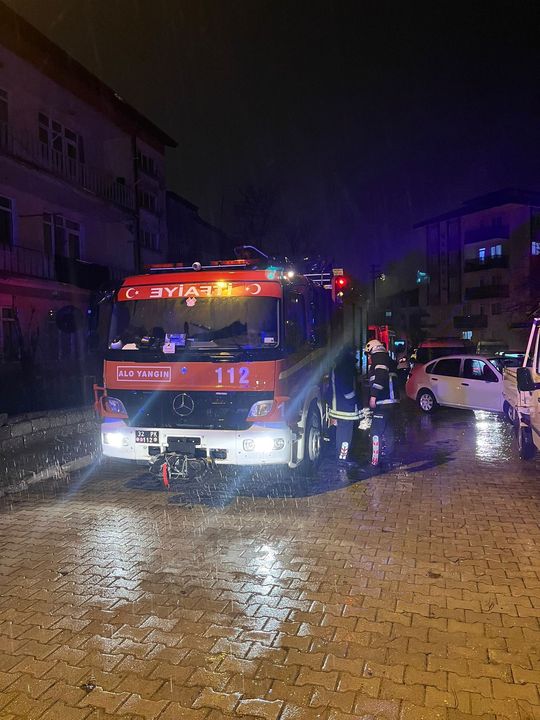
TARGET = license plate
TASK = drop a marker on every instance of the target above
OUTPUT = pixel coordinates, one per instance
(147, 437)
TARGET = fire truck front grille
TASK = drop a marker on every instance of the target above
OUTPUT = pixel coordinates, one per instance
(178, 409)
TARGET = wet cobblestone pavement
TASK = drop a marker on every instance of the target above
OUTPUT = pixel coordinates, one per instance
(410, 595)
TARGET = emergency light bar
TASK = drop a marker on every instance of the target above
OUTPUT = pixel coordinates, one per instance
(225, 263)
(164, 266)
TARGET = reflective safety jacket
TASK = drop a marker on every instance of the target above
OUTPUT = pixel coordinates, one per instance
(342, 401)
(383, 385)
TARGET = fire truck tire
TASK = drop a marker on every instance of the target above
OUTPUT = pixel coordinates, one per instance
(526, 443)
(312, 443)
(508, 412)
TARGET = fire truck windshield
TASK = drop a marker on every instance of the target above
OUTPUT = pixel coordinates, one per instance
(198, 323)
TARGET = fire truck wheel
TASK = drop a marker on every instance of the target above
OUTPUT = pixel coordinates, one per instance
(526, 443)
(508, 412)
(313, 440)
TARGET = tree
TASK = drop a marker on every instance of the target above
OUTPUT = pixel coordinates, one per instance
(256, 214)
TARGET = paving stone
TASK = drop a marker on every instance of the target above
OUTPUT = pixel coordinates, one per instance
(225, 702)
(409, 595)
(136, 705)
(269, 710)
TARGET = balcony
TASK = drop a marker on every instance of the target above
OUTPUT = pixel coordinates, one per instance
(480, 292)
(489, 263)
(470, 322)
(25, 262)
(30, 150)
(487, 233)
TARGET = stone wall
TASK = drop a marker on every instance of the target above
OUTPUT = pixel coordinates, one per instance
(23, 431)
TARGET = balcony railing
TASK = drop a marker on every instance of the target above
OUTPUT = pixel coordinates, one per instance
(489, 263)
(487, 291)
(470, 322)
(484, 234)
(29, 149)
(26, 262)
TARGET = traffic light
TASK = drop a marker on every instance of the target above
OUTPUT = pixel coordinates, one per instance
(340, 285)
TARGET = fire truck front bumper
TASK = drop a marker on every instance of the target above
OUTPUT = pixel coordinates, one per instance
(260, 444)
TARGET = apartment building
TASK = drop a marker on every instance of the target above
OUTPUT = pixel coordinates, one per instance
(483, 267)
(190, 238)
(82, 193)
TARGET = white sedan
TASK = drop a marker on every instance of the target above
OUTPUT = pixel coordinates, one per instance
(470, 382)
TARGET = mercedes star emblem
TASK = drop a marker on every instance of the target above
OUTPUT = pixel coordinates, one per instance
(183, 405)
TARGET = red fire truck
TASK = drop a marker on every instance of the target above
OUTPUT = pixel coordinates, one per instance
(223, 365)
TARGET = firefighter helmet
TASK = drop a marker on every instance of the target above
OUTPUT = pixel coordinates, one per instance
(373, 346)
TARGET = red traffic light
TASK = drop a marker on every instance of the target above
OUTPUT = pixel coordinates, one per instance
(341, 282)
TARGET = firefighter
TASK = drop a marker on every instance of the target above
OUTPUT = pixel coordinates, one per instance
(343, 407)
(383, 399)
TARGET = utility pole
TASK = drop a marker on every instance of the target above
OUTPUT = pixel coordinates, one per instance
(375, 274)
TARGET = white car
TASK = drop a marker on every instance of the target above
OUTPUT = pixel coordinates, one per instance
(461, 381)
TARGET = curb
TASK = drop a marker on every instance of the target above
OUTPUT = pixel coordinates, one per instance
(54, 472)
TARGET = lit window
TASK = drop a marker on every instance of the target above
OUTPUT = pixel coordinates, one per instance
(482, 254)
(535, 247)
(495, 250)
(466, 335)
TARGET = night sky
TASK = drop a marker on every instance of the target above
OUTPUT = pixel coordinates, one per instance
(363, 117)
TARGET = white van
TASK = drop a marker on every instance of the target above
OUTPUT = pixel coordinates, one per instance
(434, 348)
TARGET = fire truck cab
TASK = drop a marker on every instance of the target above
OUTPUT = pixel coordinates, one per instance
(223, 364)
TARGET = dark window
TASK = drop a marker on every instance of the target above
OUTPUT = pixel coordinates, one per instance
(448, 367)
(6, 221)
(295, 321)
(147, 164)
(8, 335)
(61, 141)
(3, 107)
(496, 309)
(148, 201)
(61, 237)
(474, 369)
(150, 239)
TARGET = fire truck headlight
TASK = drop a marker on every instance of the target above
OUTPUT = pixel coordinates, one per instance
(113, 405)
(261, 408)
(115, 439)
(263, 444)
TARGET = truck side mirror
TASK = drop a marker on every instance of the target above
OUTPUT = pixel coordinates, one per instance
(525, 380)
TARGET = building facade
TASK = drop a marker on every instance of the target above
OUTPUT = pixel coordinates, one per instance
(190, 238)
(483, 269)
(82, 193)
